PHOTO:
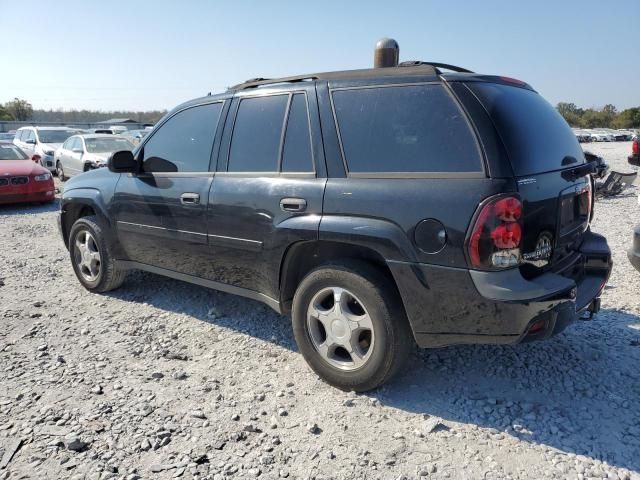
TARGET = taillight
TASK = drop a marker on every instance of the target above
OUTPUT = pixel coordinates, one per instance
(36, 158)
(635, 147)
(496, 234)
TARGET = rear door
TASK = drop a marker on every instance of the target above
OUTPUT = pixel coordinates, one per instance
(161, 212)
(550, 170)
(267, 193)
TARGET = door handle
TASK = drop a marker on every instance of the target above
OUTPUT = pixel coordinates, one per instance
(190, 199)
(293, 204)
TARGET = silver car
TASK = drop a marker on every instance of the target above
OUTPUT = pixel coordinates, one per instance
(80, 153)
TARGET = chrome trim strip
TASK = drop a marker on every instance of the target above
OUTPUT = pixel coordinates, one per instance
(234, 242)
(164, 232)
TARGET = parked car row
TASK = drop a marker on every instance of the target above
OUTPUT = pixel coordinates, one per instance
(604, 135)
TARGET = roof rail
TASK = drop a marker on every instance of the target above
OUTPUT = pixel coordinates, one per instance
(257, 82)
(446, 66)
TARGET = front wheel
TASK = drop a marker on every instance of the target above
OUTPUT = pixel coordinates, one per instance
(350, 326)
(91, 257)
(60, 171)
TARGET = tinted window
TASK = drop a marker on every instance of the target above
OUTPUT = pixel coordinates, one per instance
(404, 129)
(536, 136)
(296, 155)
(183, 143)
(255, 145)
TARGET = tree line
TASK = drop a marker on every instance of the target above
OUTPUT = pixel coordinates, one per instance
(606, 117)
(18, 109)
(22, 110)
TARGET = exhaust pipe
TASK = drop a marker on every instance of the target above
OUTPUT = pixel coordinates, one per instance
(386, 53)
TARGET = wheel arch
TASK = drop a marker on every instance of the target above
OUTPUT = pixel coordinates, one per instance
(78, 203)
(302, 257)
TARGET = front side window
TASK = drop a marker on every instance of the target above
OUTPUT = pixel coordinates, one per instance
(255, 144)
(404, 129)
(29, 135)
(183, 143)
(67, 144)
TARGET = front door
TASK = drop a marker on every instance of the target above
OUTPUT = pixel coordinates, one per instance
(268, 191)
(160, 212)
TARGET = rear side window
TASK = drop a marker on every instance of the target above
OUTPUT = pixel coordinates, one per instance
(255, 145)
(183, 143)
(404, 129)
(296, 155)
(535, 135)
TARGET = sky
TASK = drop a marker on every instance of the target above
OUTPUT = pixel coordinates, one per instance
(155, 54)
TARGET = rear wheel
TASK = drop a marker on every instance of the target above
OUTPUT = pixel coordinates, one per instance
(350, 326)
(91, 257)
(60, 171)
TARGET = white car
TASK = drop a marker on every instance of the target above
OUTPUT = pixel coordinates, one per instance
(600, 136)
(40, 143)
(81, 153)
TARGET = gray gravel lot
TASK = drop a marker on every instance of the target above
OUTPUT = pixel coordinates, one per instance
(162, 379)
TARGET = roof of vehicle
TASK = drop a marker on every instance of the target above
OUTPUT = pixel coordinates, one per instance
(403, 73)
(89, 136)
(47, 128)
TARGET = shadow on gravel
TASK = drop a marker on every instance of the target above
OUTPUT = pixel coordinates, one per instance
(28, 208)
(578, 392)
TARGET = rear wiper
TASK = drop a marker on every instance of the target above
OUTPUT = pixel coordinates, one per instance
(572, 174)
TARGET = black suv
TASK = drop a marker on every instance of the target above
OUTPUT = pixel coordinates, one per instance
(380, 208)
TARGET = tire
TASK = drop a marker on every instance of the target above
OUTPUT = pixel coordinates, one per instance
(60, 171)
(364, 292)
(96, 274)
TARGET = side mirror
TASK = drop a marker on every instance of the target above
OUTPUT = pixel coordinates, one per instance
(77, 150)
(123, 162)
(31, 141)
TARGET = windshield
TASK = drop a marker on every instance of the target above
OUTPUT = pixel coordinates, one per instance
(536, 136)
(103, 145)
(54, 136)
(11, 152)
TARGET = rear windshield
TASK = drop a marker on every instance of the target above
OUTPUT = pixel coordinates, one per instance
(104, 145)
(536, 136)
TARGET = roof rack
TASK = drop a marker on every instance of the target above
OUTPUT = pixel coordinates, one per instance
(256, 82)
(446, 66)
(421, 68)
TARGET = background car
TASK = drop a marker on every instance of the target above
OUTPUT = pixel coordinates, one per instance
(135, 136)
(40, 143)
(80, 153)
(6, 136)
(22, 180)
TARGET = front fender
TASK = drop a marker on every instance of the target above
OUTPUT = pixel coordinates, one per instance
(76, 203)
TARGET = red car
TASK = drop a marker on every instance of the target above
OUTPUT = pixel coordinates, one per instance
(21, 179)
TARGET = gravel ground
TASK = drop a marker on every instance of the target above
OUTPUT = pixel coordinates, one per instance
(162, 379)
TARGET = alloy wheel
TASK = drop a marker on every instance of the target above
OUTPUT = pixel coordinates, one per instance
(340, 328)
(87, 256)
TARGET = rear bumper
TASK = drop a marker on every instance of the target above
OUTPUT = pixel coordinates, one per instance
(634, 251)
(448, 306)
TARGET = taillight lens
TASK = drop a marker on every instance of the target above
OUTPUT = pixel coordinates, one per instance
(36, 158)
(635, 147)
(496, 234)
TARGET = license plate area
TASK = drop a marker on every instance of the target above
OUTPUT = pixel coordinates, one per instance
(575, 209)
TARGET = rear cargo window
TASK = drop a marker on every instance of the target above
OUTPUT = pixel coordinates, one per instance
(404, 129)
(535, 135)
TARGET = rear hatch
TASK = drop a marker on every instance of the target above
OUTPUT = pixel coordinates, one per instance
(550, 169)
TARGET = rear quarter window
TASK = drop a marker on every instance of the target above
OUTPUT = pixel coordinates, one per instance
(404, 129)
(535, 135)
